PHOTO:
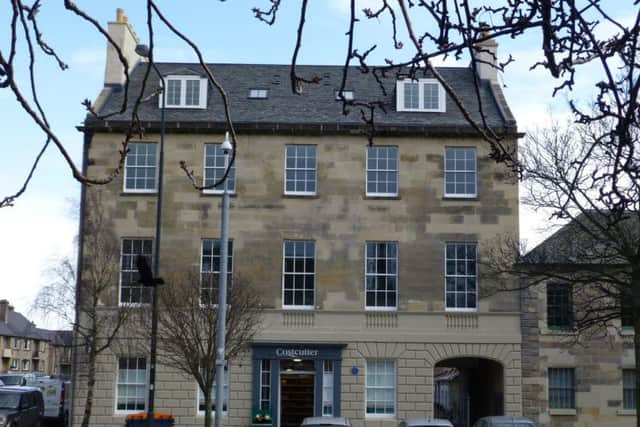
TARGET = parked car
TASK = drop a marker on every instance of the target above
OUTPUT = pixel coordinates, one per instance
(56, 393)
(503, 421)
(12, 379)
(20, 406)
(425, 422)
(326, 422)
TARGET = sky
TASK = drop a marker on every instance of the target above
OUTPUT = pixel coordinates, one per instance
(40, 228)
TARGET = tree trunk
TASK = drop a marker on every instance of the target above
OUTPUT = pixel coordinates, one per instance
(207, 408)
(91, 381)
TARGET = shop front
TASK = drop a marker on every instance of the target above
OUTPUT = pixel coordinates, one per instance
(294, 381)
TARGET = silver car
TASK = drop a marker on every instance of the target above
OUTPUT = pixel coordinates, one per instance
(425, 422)
(326, 422)
(504, 422)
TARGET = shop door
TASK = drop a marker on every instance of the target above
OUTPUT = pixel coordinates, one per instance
(296, 397)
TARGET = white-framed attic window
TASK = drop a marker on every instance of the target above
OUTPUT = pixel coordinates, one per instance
(347, 94)
(184, 92)
(421, 95)
(257, 93)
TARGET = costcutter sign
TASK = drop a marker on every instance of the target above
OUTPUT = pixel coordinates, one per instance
(297, 352)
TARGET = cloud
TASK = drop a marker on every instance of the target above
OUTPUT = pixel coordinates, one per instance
(31, 243)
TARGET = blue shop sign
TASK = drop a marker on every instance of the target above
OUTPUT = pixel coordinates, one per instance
(298, 351)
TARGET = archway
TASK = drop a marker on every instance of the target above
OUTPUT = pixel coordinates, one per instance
(468, 388)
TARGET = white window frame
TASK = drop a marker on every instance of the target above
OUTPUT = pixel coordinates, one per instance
(397, 172)
(265, 372)
(202, 96)
(13, 365)
(467, 309)
(155, 166)
(442, 102)
(16, 343)
(375, 275)
(199, 412)
(117, 382)
(347, 94)
(26, 365)
(229, 259)
(230, 182)
(328, 374)
(368, 387)
(26, 344)
(315, 171)
(127, 303)
(258, 93)
(315, 270)
(475, 172)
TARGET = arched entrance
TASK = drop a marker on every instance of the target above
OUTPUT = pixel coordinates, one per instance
(467, 388)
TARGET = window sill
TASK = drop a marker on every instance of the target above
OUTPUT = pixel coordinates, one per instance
(123, 413)
(452, 198)
(563, 412)
(184, 107)
(153, 193)
(300, 196)
(382, 197)
(626, 412)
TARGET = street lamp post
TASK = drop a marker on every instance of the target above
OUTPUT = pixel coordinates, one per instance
(222, 285)
(145, 52)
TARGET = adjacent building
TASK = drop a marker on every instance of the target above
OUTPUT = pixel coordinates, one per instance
(365, 255)
(25, 348)
(573, 378)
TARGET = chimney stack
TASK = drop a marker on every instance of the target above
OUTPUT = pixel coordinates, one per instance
(122, 33)
(5, 308)
(486, 56)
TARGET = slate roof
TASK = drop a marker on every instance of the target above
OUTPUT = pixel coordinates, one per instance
(21, 327)
(316, 108)
(572, 245)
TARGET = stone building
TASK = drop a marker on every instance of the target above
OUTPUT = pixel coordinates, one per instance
(364, 255)
(25, 348)
(571, 377)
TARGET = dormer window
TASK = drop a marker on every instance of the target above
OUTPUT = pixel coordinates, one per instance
(347, 94)
(258, 93)
(185, 92)
(425, 95)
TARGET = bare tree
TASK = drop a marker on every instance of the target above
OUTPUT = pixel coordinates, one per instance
(576, 38)
(90, 304)
(187, 327)
(572, 172)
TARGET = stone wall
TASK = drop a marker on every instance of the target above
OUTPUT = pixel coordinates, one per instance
(597, 358)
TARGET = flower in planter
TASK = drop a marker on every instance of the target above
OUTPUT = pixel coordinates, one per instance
(141, 416)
